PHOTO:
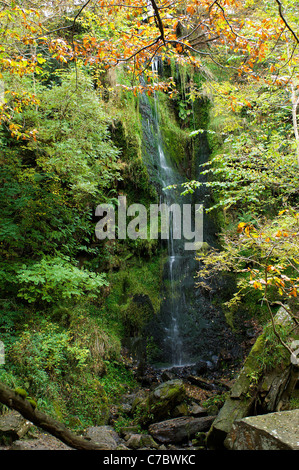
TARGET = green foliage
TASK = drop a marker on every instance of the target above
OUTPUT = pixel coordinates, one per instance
(134, 281)
(63, 367)
(46, 351)
(72, 141)
(273, 353)
(49, 188)
(54, 279)
(175, 139)
(117, 380)
(213, 404)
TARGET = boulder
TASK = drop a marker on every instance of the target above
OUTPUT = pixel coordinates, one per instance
(165, 398)
(180, 410)
(13, 427)
(273, 431)
(159, 403)
(179, 429)
(140, 401)
(104, 435)
(141, 441)
(196, 410)
(269, 392)
(167, 375)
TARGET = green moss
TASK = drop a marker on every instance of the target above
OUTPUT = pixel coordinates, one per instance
(21, 392)
(32, 402)
(135, 293)
(175, 139)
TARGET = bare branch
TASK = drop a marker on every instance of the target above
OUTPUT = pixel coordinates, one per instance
(285, 21)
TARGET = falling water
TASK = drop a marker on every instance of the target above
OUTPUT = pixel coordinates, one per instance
(169, 177)
(175, 268)
(184, 330)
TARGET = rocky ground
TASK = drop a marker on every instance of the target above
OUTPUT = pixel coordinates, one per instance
(173, 409)
(168, 404)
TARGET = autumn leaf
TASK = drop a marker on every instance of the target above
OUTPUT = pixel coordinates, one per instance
(241, 227)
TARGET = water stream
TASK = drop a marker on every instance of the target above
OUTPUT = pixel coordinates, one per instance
(185, 329)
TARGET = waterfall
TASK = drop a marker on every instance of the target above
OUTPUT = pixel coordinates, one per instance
(169, 177)
(185, 329)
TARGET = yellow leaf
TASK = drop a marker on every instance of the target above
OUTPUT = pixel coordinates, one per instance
(241, 226)
(257, 285)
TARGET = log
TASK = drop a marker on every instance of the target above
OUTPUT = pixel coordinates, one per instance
(194, 380)
(180, 429)
(14, 401)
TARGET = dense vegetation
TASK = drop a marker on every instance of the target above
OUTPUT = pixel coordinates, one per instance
(71, 138)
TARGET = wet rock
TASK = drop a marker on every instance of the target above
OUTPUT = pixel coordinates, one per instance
(179, 429)
(180, 410)
(141, 441)
(13, 427)
(104, 435)
(165, 398)
(272, 431)
(200, 367)
(196, 410)
(167, 375)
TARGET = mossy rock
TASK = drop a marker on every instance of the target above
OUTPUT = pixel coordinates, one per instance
(253, 383)
(162, 401)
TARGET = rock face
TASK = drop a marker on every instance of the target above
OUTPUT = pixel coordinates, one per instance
(273, 431)
(179, 429)
(271, 394)
(13, 427)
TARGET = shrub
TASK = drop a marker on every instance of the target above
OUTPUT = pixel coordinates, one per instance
(55, 279)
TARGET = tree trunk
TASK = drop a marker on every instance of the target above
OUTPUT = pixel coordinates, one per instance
(11, 399)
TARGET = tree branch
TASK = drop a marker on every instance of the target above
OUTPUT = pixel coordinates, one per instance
(285, 21)
(11, 399)
(160, 24)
